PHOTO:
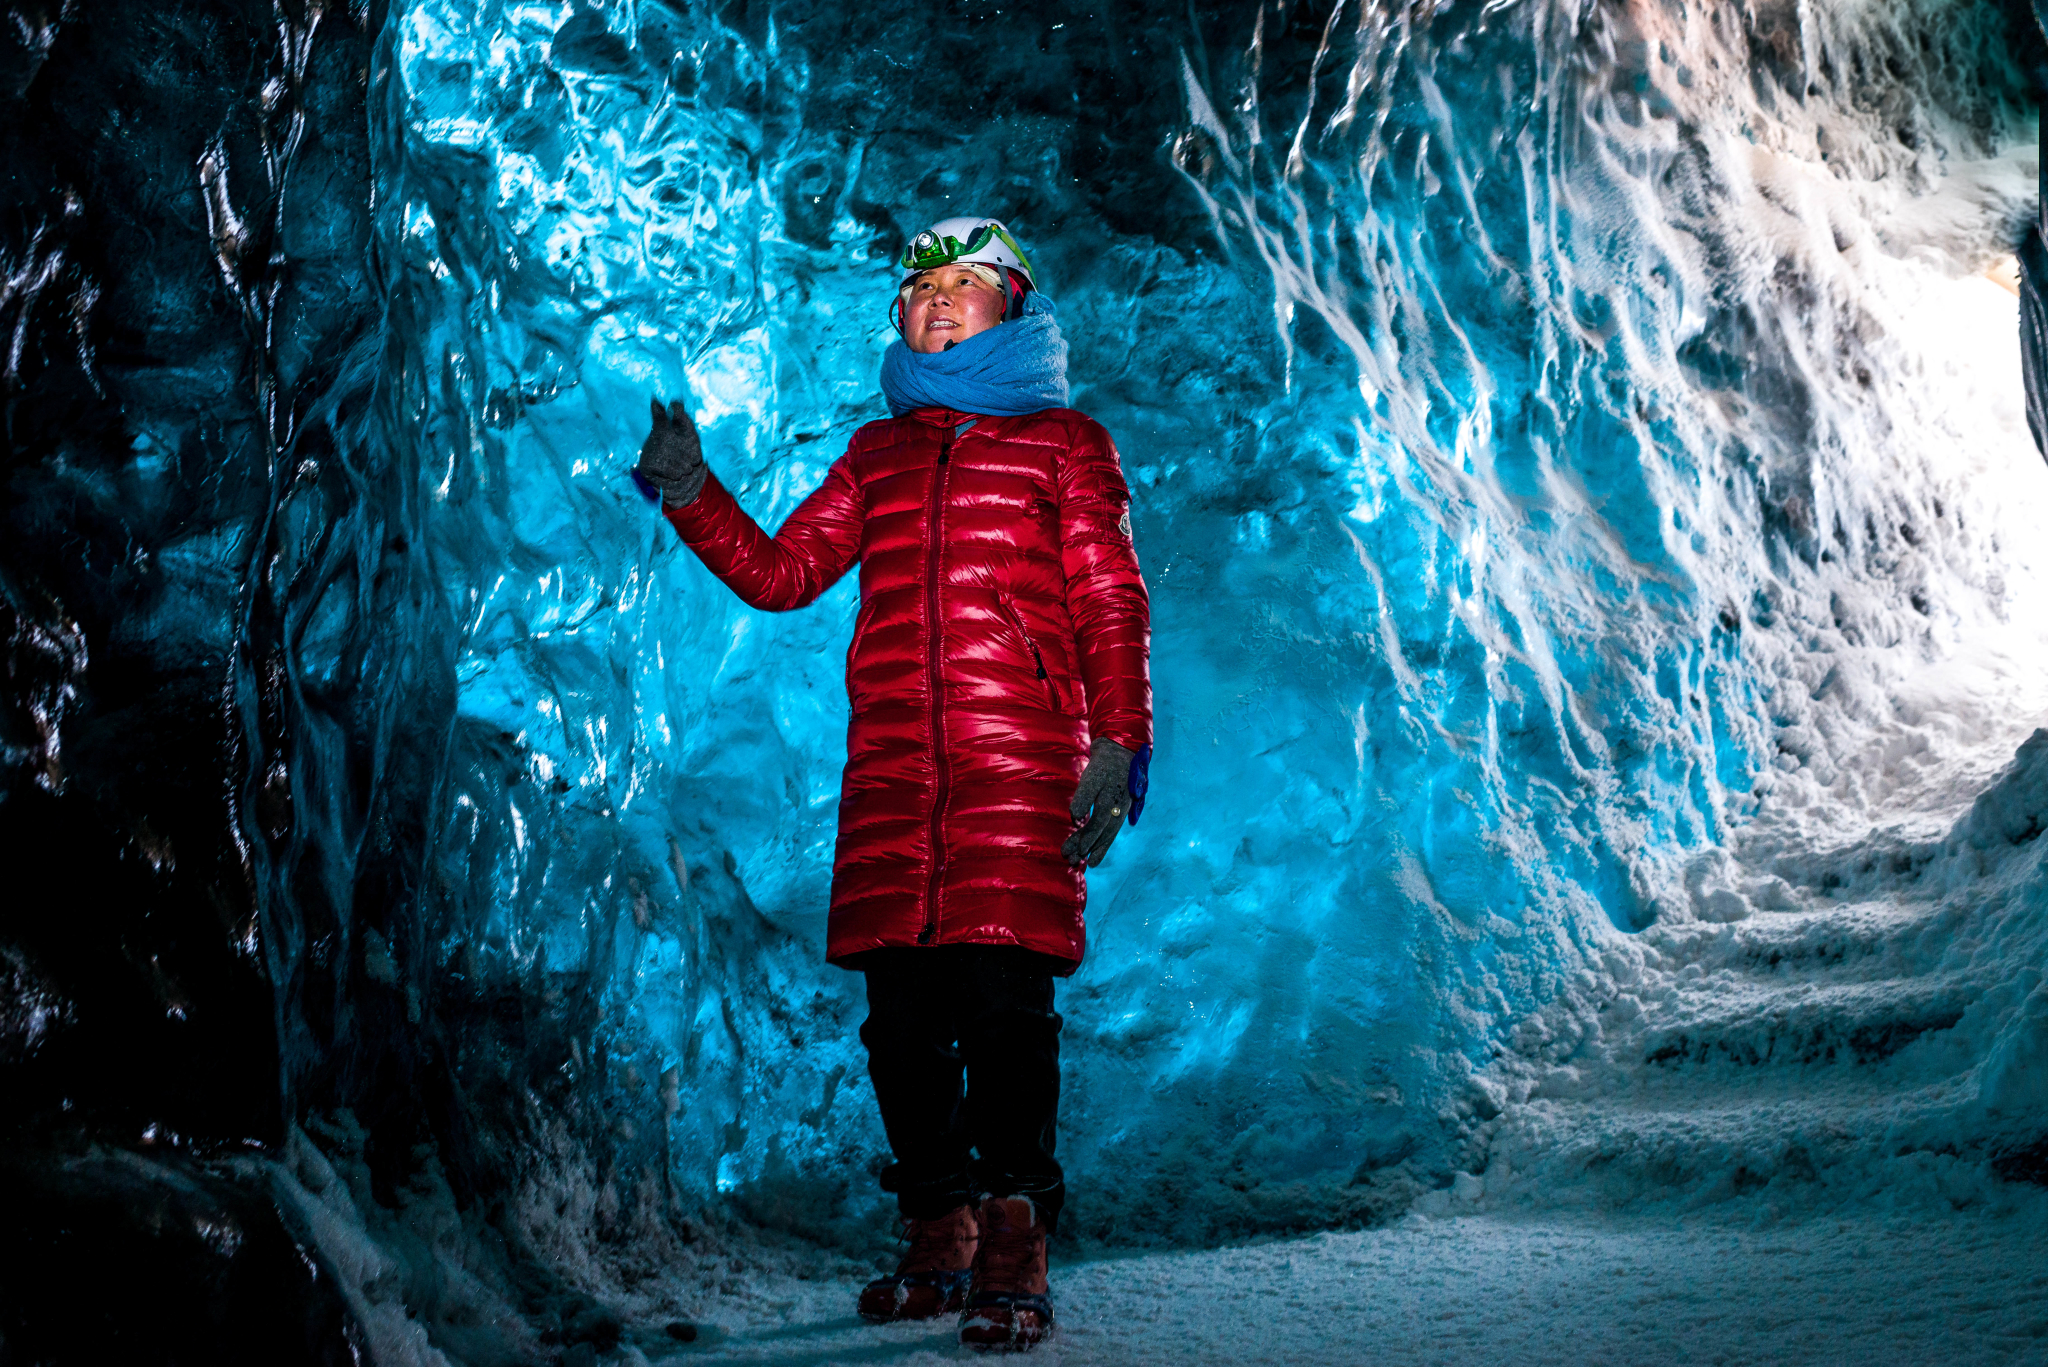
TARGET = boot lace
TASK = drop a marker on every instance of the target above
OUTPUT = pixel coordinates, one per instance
(1008, 1258)
(934, 1244)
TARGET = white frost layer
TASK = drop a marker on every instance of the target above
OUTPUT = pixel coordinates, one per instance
(1850, 1011)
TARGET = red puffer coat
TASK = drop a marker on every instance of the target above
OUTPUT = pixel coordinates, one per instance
(1003, 624)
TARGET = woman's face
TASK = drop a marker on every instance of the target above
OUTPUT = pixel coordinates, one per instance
(949, 304)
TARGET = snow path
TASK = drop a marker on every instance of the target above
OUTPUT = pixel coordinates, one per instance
(1913, 1289)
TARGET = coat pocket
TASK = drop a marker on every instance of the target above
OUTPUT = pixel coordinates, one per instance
(862, 620)
(1052, 689)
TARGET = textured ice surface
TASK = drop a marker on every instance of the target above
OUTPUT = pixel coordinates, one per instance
(1565, 1291)
(1554, 457)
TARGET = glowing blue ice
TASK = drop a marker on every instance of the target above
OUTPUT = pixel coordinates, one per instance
(1473, 475)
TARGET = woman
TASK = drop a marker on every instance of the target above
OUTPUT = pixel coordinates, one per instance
(1001, 728)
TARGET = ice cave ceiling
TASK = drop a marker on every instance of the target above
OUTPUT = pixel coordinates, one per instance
(1556, 430)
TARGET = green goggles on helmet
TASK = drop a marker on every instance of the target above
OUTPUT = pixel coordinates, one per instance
(989, 244)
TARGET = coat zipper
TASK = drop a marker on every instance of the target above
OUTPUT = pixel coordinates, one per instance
(933, 544)
(1052, 690)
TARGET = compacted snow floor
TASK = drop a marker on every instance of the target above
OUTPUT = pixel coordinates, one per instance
(1914, 1289)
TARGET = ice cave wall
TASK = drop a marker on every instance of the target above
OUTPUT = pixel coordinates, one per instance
(1501, 385)
(191, 332)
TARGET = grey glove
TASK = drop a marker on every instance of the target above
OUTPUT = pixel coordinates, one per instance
(672, 459)
(1100, 802)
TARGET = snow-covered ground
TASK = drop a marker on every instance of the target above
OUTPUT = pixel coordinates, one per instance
(1876, 1289)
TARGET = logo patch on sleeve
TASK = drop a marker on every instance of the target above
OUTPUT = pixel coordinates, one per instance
(1123, 524)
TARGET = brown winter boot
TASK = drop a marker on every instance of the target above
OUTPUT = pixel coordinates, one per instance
(933, 1277)
(1008, 1306)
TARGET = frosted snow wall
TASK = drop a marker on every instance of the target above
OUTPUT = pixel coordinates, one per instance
(1506, 388)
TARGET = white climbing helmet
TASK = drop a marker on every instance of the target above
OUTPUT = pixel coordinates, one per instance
(982, 241)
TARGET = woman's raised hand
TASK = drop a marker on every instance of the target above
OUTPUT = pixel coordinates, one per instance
(672, 459)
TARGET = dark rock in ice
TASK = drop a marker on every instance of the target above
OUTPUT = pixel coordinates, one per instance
(2026, 1163)
(592, 1323)
(112, 1255)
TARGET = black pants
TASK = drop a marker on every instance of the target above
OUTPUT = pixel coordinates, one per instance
(978, 1014)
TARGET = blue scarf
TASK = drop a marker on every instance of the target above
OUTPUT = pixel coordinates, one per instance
(1016, 367)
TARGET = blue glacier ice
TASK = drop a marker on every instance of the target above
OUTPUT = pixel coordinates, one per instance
(1497, 386)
